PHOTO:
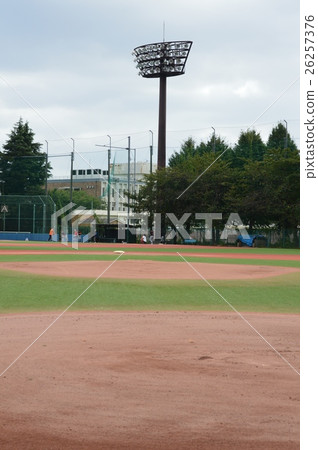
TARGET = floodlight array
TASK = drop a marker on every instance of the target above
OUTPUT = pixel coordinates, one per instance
(162, 59)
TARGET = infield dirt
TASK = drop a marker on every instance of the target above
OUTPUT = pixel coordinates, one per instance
(147, 380)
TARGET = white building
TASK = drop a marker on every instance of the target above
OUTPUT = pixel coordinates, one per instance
(95, 182)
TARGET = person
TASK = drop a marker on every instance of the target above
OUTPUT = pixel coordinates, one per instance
(144, 239)
(51, 233)
(151, 237)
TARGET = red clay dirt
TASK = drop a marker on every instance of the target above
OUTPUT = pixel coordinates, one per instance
(132, 269)
(147, 380)
(35, 248)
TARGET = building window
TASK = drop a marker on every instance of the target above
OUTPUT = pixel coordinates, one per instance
(89, 172)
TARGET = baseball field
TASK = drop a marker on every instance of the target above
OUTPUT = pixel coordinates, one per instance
(148, 347)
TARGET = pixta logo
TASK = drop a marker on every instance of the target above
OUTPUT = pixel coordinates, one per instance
(71, 222)
(233, 227)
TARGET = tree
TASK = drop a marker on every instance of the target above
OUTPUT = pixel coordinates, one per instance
(279, 139)
(187, 151)
(283, 180)
(260, 184)
(23, 168)
(217, 146)
(250, 195)
(166, 191)
(249, 147)
(81, 198)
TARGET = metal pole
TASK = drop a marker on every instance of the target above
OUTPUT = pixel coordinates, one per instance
(19, 217)
(151, 150)
(286, 137)
(33, 228)
(108, 180)
(128, 209)
(162, 123)
(44, 218)
(46, 164)
(72, 161)
(135, 169)
(213, 139)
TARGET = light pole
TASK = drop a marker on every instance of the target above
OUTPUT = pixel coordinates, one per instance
(213, 139)
(162, 60)
(46, 163)
(151, 150)
(108, 177)
(286, 137)
(128, 203)
(72, 162)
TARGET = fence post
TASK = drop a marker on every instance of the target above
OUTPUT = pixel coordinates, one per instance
(19, 217)
(33, 227)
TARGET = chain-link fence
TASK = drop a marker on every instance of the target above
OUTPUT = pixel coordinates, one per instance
(24, 213)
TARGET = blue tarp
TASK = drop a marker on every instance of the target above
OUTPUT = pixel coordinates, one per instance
(249, 241)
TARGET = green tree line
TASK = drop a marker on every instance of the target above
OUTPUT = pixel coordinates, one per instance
(260, 181)
(24, 170)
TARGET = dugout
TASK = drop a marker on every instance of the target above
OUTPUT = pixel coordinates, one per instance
(116, 233)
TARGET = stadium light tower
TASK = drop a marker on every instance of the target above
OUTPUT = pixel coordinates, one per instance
(162, 60)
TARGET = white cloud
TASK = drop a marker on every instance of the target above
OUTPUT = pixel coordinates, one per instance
(74, 65)
(248, 89)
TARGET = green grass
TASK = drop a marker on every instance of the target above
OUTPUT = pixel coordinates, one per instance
(148, 248)
(164, 258)
(24, 292)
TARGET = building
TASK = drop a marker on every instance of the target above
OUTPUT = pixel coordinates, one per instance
(92, 181)
(119, 182)
(95, 183)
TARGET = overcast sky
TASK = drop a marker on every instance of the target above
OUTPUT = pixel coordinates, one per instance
(66, 67)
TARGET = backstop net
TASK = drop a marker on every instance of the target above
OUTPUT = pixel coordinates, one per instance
(26, 213)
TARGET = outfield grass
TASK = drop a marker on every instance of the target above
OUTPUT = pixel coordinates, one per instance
(24, 292)
(149, 248)
(165, 258)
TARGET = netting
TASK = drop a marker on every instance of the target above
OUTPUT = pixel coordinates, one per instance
(26, 213)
